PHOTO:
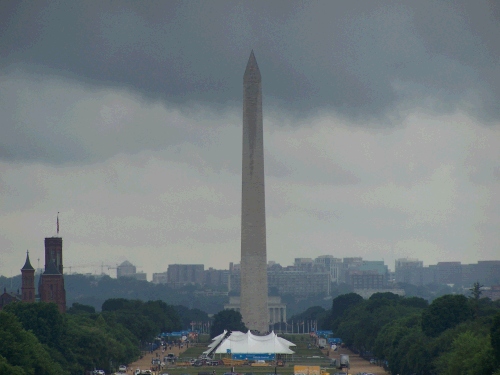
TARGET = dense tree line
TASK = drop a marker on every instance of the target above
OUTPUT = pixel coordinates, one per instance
(35, 338)
(93, 291)
(452, 335)
(229, 320)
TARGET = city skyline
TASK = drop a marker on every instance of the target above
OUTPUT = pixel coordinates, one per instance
(382, 130)
(99, 268)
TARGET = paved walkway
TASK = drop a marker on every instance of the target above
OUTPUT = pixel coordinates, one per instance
(144, 363)
(358, 364)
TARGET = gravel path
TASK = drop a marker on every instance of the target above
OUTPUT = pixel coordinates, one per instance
(145, 362)
(358, 364)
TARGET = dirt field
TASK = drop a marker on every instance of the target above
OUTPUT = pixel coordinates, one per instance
(358, 364)
(145, 362)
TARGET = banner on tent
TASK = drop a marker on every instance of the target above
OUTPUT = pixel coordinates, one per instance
(254, 357)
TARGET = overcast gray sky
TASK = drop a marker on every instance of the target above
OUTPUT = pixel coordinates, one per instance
(381, 130)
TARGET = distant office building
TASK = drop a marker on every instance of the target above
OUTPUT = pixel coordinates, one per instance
(160, 278)
(303, 264)
(428, 275)
(185, 274)
(349, 264)
(366, 274)
(367, 280)
(411, 271)
(297, 283)
(142, 276)
(300, 283)
(215, 278)
(486, 272)
(492, 292)
(352, 262)
(125, 269)
(332, 265)
(449, 273)
(408, 271)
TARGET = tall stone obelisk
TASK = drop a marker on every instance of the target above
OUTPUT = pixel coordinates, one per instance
(253, 298)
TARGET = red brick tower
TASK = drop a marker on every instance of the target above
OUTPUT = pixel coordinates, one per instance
(51, 287)
(28, 281)
(53, 252)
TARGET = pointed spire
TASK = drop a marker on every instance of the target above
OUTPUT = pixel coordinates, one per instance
(27, 265)
(252, 72)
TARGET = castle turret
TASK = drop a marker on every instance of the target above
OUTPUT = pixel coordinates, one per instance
(53, 253)
(51, 287)
(28, 281)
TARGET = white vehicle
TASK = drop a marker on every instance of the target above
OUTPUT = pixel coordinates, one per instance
(344, 361)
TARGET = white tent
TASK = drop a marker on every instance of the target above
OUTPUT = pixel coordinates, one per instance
(248, 343)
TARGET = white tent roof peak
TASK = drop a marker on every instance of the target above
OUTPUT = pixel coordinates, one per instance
(248, 343)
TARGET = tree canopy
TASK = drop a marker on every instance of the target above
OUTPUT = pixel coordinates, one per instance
(81, 339)
(445, 312)
(412, 336)
(229, 320)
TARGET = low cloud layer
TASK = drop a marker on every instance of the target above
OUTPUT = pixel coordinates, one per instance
(359, 59)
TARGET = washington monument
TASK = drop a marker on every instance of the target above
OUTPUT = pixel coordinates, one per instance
(254, 308)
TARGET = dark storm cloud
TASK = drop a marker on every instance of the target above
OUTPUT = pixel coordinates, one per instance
(358, 58)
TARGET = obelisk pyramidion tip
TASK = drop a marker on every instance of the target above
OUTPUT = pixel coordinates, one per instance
(252, 72)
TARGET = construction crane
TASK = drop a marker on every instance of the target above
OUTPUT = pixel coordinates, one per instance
(89, 265)
(114, 268)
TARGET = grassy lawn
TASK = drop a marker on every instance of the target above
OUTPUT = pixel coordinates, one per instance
(192, 352)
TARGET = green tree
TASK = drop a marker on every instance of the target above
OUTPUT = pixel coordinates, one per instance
(78, 308)
(445, 312)
(341, 304)
(43, 319)
(379, 300)
(495, 338)
(415, 354)
(476, 291)
(470, 354)
(229, 320)
(414, 302)
(163, 315)
(475, 297)
(144, 319)
(7, 369)
(20, 348)
(188, 315)
(312, 313)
